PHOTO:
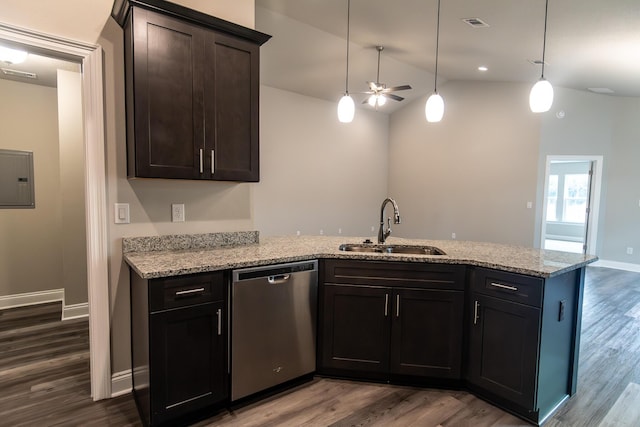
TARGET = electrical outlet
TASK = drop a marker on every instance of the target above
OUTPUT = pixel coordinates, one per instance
(373, 228)
(177, 212)
(298, 233)
(629, 251)
(321, 231)
(453, 235)
(339, 230)
(529, 205)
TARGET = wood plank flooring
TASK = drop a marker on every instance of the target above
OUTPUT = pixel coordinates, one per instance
(44, 379)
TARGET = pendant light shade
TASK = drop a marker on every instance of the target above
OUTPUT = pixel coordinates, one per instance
(346, 109)
(541, 95)
(346, 106)
(434, 108)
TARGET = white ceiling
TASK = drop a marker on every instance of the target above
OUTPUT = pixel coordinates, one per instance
(45, 69)
(590, 44)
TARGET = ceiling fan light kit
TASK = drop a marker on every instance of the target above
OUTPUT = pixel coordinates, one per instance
(541, 95)
(378, 92)
(434, 108)
(346, 106)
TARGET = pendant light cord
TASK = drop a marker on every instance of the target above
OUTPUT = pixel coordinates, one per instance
(435, 82)
(346, 84)
(544, 37)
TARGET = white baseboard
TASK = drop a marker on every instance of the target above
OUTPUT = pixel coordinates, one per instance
(31, 298)
(627, 266)
(71, 311)
(75, 311)
(121, 383)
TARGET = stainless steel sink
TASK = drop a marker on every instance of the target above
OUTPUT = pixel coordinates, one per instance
(391, 249)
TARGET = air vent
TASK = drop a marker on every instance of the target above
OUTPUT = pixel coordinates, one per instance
(17, 73)
(604, 90)
(475, 22)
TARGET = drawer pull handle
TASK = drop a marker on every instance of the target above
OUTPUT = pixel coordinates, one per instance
(476, 312)
(189, 292)
(201, 162)
(501, 286)
(386, 305)
(213, 162)
(398, 305)
(219, 314)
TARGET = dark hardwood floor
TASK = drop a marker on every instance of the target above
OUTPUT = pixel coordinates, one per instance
(44, 378)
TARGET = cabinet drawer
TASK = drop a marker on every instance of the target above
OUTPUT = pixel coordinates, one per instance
(181, 291)
(415, 275)
(510, 286)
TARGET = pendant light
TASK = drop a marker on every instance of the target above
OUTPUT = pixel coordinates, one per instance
(434, 109)
(346, 106)
(541, 96)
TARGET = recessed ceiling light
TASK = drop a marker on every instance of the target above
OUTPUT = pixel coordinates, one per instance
(482, 68)
(600, 90)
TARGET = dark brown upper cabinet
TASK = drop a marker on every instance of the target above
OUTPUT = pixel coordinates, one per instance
(192, 93)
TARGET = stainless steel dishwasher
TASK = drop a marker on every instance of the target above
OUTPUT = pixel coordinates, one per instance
(273, 325)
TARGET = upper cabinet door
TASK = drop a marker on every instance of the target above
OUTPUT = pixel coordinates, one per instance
(232, 108)
(192, 87)
(167, 98)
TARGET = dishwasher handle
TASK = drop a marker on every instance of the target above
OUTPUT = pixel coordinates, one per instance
(280, 278)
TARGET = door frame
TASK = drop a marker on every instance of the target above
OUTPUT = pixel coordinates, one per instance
(90, 56)
(594, 200)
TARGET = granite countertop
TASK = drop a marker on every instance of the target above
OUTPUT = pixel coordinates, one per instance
(162, 256)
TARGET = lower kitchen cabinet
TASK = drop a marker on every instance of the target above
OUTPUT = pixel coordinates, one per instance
(179, 345)
(523, 347)
(386, 321)
(503, 348)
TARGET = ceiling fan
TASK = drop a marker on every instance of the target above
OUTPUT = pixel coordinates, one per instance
(379, 92)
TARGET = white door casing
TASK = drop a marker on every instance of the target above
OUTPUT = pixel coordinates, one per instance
(95, 192)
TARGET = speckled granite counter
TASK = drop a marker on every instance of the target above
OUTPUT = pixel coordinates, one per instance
(163, 256)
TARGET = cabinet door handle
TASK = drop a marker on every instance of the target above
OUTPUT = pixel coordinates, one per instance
(386, 305)
(476, 312)
(189, 291)
(398, 305)
(201, 161)
(219, 314)
(213, 162)
(501, 286)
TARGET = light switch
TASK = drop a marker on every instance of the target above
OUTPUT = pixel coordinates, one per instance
(122, 213)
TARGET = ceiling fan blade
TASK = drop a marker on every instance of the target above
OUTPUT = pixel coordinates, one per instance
(394, 97)
(396, 88)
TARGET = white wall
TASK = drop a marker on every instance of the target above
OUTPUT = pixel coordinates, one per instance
(317, 173)
(30, 249)
(72, 210)
(471, 174)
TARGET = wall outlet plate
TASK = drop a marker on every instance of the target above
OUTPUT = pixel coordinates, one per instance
(177, 212)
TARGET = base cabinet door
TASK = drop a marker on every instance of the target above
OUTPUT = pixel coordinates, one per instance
(179, 346)
(355, 328)
(187, 362)
(503, 349)
(426, 334)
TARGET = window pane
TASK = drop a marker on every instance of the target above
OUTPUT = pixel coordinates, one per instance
(576, 189)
